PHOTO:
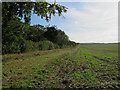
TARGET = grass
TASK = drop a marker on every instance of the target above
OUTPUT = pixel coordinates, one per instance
(86, 66)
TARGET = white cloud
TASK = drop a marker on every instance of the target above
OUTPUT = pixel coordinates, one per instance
(97, 22)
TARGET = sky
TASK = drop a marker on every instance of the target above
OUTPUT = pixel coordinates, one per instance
(86, 22)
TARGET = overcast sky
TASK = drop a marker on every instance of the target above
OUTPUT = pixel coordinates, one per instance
(87, 22)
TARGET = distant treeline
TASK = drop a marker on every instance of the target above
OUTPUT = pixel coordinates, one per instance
(95, 43)
(19, 37)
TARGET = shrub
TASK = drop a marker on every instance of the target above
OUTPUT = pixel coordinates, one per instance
(56, 46)
(29, 45)
(46, 45)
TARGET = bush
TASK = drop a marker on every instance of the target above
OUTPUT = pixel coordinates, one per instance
(30, 45)
(16, 46)
(46, 45)
(56, 46)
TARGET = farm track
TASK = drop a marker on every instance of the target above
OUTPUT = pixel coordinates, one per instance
(75, 68)
(69, 66)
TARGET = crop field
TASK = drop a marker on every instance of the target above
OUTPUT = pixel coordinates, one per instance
(85, 66)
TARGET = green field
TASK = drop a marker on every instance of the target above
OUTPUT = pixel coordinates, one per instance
(86, 66)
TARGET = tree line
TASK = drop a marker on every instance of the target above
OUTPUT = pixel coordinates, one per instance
(19, 37)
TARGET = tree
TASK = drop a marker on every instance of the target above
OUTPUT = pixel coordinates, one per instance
(14, 31)
(14, 37)
(57, 36)
(36, 33)
(20, 10)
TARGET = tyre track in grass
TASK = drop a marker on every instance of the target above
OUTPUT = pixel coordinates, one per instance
(72, 67)
(110, 79)
(107, 78)
(60, 71)
(105, 60)
(67, 65)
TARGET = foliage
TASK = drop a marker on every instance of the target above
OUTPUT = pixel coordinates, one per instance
(56, 36)
(36, 33)
(46, 45)
(14, 37)
(23, 10)
(19, 36)
(30, 45)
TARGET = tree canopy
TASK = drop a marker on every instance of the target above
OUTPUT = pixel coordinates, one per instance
(56, 35)
(21, 10)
